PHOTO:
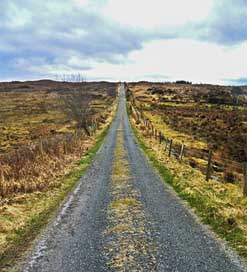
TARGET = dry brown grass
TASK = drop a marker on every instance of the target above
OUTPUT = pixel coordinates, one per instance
(192, 115)
(201, 116)
(38, 140)
(32, 111)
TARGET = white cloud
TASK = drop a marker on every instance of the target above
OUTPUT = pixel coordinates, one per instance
(118, 39)
(18, 17)
(157, 13)
(159, 60)
(177, 59)
(81, 3)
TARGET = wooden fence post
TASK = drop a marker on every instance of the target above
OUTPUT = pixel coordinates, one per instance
(64, 148)
(170, 148)
(160, 137)
(94, 126)
(181, 152)
(209, 165)
(245, 179)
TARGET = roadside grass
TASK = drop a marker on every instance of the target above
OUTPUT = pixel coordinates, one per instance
(221, 206)
(36, 209)
(177, 137)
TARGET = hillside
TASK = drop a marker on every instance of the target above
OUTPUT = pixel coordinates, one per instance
(30, 111)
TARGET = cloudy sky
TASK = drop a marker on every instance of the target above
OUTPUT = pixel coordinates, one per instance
(159, 40)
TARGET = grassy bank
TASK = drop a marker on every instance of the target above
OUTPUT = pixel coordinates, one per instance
(29, 213)
(221, 206)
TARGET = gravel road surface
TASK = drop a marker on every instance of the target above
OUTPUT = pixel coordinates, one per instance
(122, 217)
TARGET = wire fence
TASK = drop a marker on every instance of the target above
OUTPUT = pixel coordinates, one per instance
(205, 160)
(21, 169)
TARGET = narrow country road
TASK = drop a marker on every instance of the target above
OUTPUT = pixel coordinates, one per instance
(122, 217)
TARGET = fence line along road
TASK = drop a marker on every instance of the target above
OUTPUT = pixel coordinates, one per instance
(229, 170)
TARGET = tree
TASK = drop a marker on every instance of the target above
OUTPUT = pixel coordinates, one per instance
(76, 104)
(183, 82)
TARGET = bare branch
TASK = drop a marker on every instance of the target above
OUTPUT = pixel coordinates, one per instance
(76, 104)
